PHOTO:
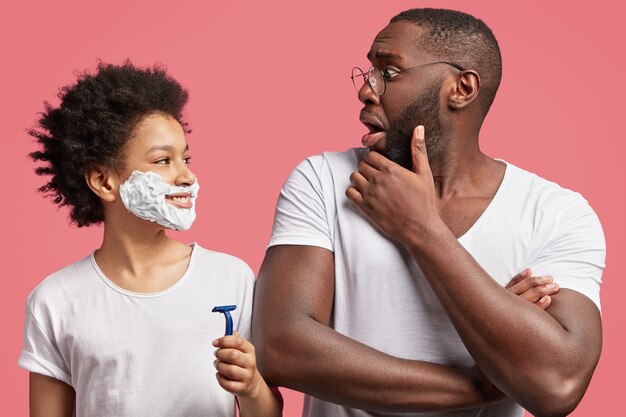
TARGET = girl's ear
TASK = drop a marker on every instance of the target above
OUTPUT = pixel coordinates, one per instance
(102, 182)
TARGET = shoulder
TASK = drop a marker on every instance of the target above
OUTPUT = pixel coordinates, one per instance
(553, 214)
(63, 285)
(545, 196)
(331, 161)
(321, 174)
(222, 263)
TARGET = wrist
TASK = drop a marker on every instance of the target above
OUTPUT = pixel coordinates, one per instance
(416, 236)
(257, 387)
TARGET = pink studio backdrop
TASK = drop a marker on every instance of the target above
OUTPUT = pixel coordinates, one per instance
(269, 86)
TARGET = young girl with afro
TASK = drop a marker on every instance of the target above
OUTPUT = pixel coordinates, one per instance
(128, 330)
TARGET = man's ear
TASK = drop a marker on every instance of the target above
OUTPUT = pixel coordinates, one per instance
(102, 182)
(465, 90)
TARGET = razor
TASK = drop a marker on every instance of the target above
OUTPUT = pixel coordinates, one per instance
(229, 319)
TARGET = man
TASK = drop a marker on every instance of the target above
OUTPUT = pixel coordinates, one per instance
(383, 287)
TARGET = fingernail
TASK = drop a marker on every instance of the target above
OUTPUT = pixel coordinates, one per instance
(215, 342)
(544, 299)
(551, 286)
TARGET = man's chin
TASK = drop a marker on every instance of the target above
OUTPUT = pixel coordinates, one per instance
(401, 157)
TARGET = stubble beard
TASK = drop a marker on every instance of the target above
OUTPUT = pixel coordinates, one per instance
(423, 111)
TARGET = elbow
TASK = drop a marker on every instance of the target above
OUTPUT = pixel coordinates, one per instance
(558, 399)
(556, 389)
(271, 356)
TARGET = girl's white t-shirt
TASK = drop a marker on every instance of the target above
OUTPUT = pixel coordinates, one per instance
(137, 354)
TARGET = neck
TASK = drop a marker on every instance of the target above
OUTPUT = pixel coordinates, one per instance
(458, 166)
(131, 250)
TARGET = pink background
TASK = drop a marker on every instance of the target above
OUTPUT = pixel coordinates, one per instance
(269, 86)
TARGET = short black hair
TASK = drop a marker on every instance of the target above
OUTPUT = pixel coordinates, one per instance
(91, 126)
(462, 39)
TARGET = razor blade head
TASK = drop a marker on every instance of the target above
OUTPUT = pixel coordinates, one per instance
(229, 319)
(223, 309)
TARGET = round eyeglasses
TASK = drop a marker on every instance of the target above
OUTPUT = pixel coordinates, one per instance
(377, 78)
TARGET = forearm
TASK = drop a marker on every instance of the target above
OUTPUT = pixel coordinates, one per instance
(267, 402)
(528, 354)
(312, 358)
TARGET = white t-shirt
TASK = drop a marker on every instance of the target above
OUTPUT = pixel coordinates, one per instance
(137, 354)
(382, 298)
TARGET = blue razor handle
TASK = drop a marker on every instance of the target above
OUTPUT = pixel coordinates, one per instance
(229, 319)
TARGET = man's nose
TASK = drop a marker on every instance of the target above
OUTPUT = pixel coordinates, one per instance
(367, 95)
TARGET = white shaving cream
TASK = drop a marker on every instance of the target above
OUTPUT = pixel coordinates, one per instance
(143, 194)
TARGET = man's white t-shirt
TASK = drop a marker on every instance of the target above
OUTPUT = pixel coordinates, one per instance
(382, 298)
(137, 354)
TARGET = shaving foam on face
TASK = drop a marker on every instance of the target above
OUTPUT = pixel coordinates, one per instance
(143, 194)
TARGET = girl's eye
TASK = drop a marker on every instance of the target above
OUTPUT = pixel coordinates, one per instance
(389, 73)
(163, 161)
(187, 159)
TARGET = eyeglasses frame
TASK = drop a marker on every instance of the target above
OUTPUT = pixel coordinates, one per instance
(371, 69)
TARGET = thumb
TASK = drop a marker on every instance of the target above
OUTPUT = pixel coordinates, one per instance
(418, 151)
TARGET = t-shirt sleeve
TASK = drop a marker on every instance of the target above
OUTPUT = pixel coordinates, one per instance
(301, 216)
(575, 249)
(40, 353)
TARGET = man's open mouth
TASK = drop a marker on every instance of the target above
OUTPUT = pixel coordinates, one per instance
(375, 128)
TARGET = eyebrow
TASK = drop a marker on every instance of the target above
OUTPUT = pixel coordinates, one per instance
(166, 148)
(384, 55)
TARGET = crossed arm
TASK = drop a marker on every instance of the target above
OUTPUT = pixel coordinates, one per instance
(543, 360)
(297, 349)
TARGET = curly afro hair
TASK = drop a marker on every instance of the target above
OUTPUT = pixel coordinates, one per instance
(96, 118)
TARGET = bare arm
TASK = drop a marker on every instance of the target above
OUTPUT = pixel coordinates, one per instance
(50, 397)
(297, 349)
(541, 359)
